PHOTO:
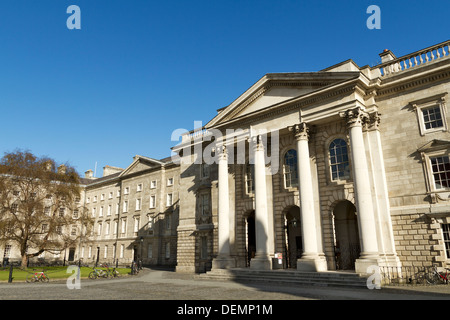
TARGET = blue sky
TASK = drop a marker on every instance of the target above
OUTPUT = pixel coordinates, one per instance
(139, 69)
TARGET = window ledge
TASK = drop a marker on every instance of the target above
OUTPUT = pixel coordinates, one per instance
(291, 189)
(440, 196)
(340, 182)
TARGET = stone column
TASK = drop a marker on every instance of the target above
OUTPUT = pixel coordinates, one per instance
(312, 259)
(262, 258)
(223, 259)
(364, 206)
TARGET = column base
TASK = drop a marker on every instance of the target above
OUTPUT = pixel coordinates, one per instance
(316, 263)
(224, 262)
(263, 262)
(363, 265)
(185, 269)
(390, 260)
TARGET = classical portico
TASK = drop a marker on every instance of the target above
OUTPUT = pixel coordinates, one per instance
(260, 179)
(355, 121)
(313, 257)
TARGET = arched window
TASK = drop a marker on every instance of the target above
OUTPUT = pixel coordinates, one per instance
(290, 169)
(340, 166)
(249, 178)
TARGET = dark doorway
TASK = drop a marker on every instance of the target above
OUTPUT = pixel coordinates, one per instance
(98, 256)
(294, 241)
(71, 254)
(346, 248)
(251, 237)
(135, 253)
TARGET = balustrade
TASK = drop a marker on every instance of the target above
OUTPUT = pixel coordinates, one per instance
(415, 59)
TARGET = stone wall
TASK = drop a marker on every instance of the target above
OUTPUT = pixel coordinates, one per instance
(418, 240)
(418, 234)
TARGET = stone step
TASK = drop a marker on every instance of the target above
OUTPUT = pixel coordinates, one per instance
(286, 277)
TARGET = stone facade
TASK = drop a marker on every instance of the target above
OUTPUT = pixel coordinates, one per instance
(332, 170)
(136, 214)
(387, 203)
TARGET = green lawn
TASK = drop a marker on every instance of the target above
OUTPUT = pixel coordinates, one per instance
(53, 273)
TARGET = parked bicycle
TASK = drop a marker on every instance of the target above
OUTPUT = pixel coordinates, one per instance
(134, 268)
(420, 277)
(96, 273)
(113, 273)
(38, 277)
(435, 277)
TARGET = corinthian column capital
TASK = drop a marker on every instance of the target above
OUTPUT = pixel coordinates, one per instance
(355, 117)
(222, 152)
(374, 120)
(257, 143)
(301, 131)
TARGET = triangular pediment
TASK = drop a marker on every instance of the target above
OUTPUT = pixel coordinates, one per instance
(141, 163)
(276, 88)
(273, 96)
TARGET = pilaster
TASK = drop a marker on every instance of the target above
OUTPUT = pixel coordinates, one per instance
(380, 197)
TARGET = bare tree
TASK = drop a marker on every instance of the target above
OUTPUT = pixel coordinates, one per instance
(40, 207)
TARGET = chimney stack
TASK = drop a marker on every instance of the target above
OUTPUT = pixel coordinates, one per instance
(89, 174)
(108, 170)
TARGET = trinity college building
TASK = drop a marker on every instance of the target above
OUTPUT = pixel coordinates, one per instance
(339, 169)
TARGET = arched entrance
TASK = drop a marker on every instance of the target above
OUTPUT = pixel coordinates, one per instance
(346, 235)
(293, 236)
(251, 237)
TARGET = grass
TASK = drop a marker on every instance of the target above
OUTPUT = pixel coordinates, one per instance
(54, 273)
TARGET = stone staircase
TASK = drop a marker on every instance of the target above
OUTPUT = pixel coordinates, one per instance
(287, 277)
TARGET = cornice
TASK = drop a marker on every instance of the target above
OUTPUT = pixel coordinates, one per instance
(98, 183)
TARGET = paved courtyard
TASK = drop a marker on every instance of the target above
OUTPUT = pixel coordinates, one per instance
(175, 295)
(166, 285)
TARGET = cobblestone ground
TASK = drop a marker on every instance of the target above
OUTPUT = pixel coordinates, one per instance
(165, 285)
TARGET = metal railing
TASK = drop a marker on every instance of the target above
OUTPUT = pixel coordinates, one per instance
(410, 275)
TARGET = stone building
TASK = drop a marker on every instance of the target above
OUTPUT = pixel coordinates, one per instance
(136, 214)
(339, 169)
(343, 168)
(51, 217)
